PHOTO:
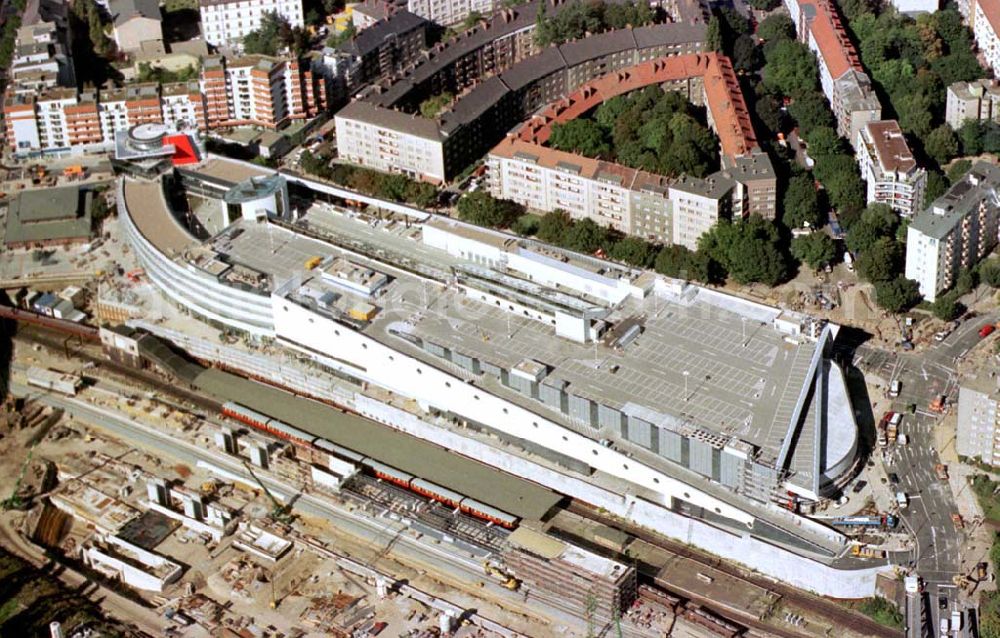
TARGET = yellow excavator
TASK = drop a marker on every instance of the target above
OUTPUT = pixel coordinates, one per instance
(500, 574)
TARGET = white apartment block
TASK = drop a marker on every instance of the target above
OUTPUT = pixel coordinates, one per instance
(390, 141)
(979, 100)
(978, 429)
(889, 168)
(985, 23)
(447, 12)
(698, 205)
(955, 232)
(225, 22)
(630, 201)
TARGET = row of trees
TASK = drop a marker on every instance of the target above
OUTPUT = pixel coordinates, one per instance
(580, 18)
(649, 129)
(749, 251)
(397, 188)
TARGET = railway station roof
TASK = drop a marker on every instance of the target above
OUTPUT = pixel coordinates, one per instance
(407, 453)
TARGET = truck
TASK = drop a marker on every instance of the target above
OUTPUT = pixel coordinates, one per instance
(942, 471)
(863, 551)
(956, 620)
(902, 500)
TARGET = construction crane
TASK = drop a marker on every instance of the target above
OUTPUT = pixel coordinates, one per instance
(280, 510)
(14, 502)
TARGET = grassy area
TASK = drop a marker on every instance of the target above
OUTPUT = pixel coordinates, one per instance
(986, 491)
(881, 611)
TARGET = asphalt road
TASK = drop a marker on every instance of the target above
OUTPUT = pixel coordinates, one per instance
(924, 376)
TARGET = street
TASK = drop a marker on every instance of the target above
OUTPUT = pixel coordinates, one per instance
(923, 377)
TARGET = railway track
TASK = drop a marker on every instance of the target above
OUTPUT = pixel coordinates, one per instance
(836, 614)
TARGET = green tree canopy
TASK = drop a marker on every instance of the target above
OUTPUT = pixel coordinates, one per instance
(554, 226)
(815, 249)
(485, 210)
(582, 136)
(790, 69)
(880, 262)
(897, 295)
(801, 202)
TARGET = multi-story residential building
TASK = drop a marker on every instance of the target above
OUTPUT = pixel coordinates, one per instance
(985, 23)
(978, 429)
(378, 53)
(978, 100)
(225, 22)
(545, 179)
(841, 75)
(183, 106)
(137, 24)
(446, 12)
(481, 116)
(955, 232)
(391, 141)
(257, 91)
(889, 168)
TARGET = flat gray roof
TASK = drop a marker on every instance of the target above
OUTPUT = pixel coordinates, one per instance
(982, 182)
(151, 214)
(416, 125)
(49, 214)
(402, 451)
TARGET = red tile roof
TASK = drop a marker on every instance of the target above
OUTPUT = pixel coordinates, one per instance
(828, 32)
(991, 9)
(723, 97)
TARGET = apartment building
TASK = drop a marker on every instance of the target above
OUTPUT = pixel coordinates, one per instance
(481, 116)
(137, 24)
(183, 106)
(955, 232)
(449, 12)
(978, 428)
(391, 141)
(978, 100)
(40, 58)
(378, 53)
(630, 201)
(545, 179)
(985, 23)
(889, 168)
(842, 77)
(257, 91)
(225, 22)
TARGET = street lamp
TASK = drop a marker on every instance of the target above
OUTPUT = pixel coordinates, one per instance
(686, 374)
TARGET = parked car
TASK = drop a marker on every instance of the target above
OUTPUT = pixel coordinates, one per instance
(860, 485)
(986, 330)
(894, 478)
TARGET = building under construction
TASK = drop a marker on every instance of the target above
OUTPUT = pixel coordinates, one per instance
(569, 576)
